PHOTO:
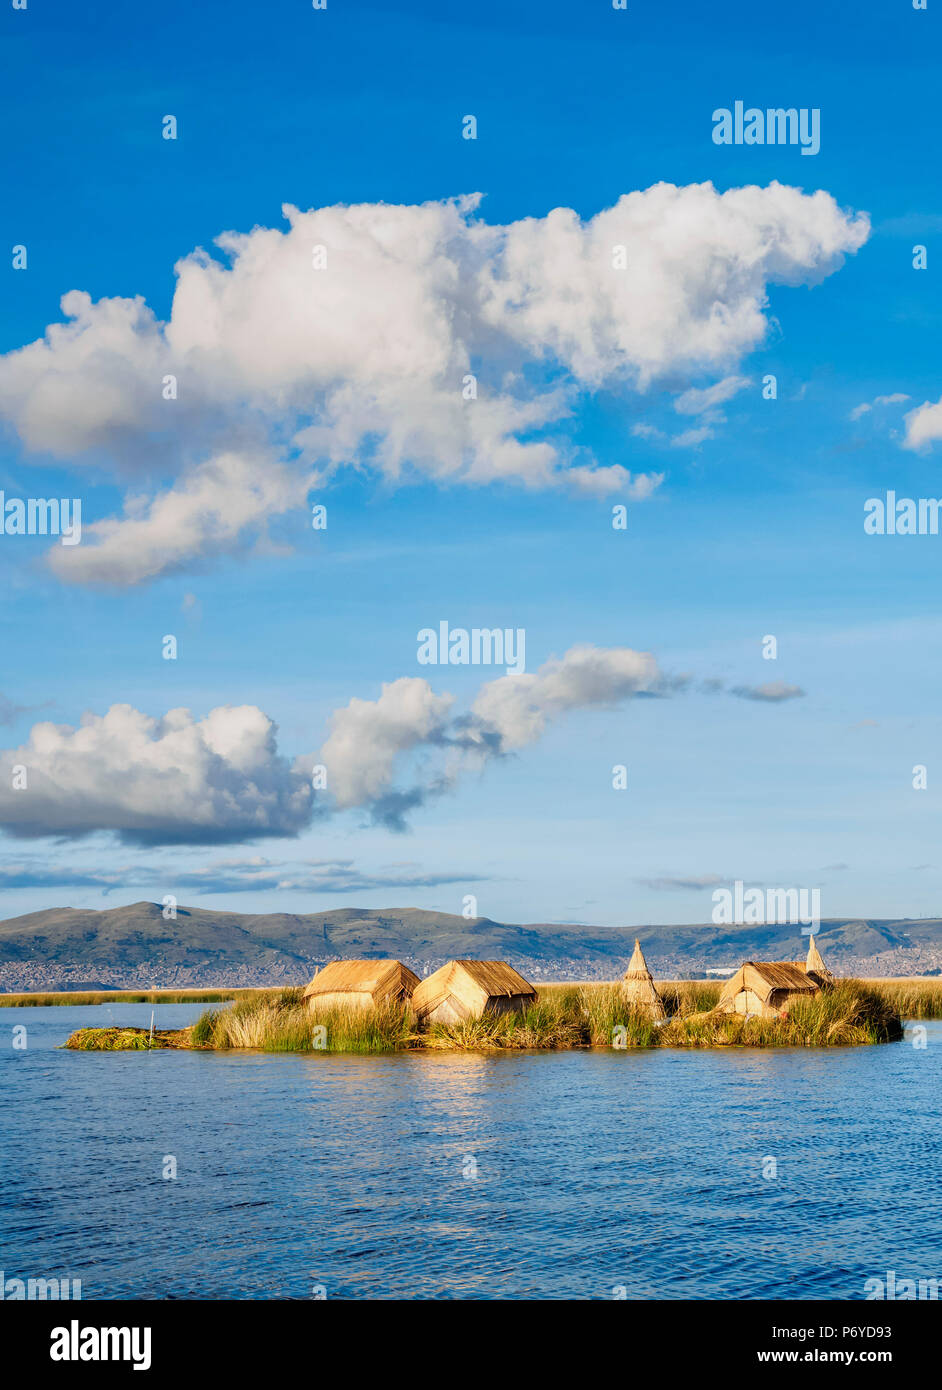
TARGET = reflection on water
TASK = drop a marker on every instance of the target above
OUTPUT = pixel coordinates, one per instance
(534, 1175)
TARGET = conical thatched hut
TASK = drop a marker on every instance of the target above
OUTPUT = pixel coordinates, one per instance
(815, 967)
(361, 984)
(465, 989)
(639, 988)
(765, 988)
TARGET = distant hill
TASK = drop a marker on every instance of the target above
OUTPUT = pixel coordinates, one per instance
(127, 947)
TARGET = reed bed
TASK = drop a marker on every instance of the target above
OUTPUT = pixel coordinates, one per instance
(563, 1017)
(129, 996)
(910, 998)
(285, 1023)
(914, 998)
(848, 1014)
(126, 1039)
(556, 1020)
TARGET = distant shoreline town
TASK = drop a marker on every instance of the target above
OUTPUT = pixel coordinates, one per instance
(137, 947)
(40, 977)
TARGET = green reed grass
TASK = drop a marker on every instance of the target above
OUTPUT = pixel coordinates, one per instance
(563, 1016)
(127, 996)
(910, 998)
(556, 1020)
(285, 1023)
(124, 1040)
(850, 1013)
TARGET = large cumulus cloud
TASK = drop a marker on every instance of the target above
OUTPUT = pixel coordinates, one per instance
(174, 779)
(222, 778)
(347, 339)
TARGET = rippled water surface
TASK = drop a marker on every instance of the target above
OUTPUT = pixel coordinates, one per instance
(538, 1175)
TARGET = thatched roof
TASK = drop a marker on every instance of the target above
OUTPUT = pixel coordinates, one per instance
(469, 978)
(764, 977)
(496, 976)
(372, 977)
(638, 985)
(814, 965)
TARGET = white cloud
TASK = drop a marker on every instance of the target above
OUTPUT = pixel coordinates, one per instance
(923, 425)
(367, 736)
(369, 741)
(210, 513)
(686, 439)
(693, 294)
(363, 362)
(518, 708)
(896, 398)
(220, 779)
(155, 780)
(689, 439)
(694, 401)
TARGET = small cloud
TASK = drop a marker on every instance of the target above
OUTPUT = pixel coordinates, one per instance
(897, 398)
(244, 875)
(690, 439)
(312, 876)
(772, 691)
(38, 873)
(923, 425)
(694, 401)
(687, 439)
(669, 883)
(834, 868)
(10, 712)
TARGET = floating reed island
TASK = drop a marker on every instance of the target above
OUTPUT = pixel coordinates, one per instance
(467, 1005)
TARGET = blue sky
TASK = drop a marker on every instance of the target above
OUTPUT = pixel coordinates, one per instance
(755, 530)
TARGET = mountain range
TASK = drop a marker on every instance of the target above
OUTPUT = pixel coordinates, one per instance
(137, 946)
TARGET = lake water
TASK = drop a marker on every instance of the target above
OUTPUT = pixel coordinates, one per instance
(536, 1175)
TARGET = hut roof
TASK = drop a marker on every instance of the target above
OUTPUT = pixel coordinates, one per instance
(638, 984)
(495, 977)
(362, 977)
(814, 965)
(765, 977)
(637, 966)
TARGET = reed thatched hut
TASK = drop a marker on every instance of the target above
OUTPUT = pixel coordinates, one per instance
(766, 988)
(815, 967)
(639, 988)
(465, 989)
(361, 984)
